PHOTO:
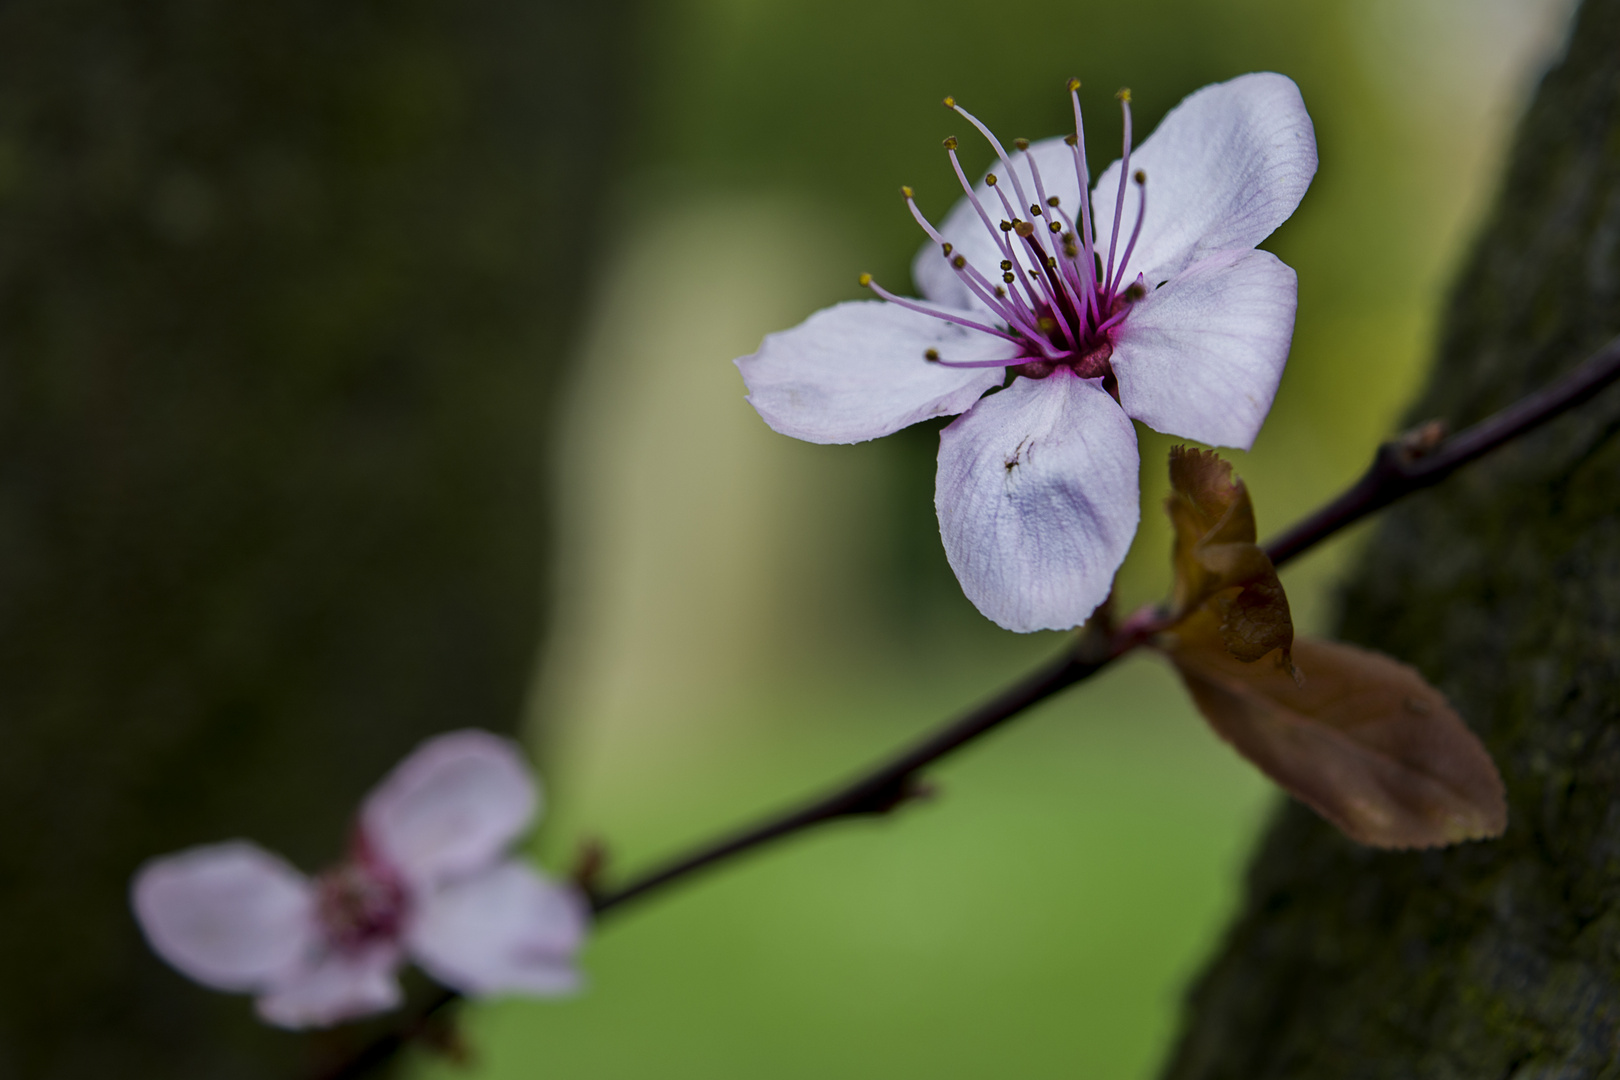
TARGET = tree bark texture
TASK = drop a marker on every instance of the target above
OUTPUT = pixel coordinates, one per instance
(283, 290)
(1501, 959)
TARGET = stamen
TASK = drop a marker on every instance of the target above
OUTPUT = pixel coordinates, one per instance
(1025, 307)
(1114, 320)
(1124, 172)
(950, 149)
(1014, 225)
(975, 281)
(994, 142)
(923, 309)
(1082, 170)
(972, 363)
(1136, 230)
(1048, 265)
(1073, 284)
(1024, 229)
(1068, 286)
(1137, 290)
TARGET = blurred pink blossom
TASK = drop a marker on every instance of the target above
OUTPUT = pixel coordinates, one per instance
(428, 878)
(1153, 306)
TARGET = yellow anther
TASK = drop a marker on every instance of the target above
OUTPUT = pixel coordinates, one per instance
(950, 142)
(1006, 226)
(959, 262)
(1001, 294)
(950, 102)
(1124, 94)
(1140, 176)
(905, 192)
(1024, 228)
(1007, 277)
(1055, 226)
(1074, 84)
(1051, 262)
(931, 354)
(1006, 264)
(990, 178)
(1072, 140)
(1053, 201)
(1135, 291)
(1022, 144)
(947, 248)
(866, 281)
(1047, 324)
(1071, 251)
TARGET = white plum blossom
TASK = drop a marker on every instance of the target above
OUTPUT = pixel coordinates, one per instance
(428, 878)
(1102, 309)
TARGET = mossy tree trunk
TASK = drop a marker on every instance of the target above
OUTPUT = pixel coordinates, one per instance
(1502, 959)
(283, 291)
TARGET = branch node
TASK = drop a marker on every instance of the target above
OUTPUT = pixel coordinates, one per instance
(590, 862)
(1422, 440)
(890, 796)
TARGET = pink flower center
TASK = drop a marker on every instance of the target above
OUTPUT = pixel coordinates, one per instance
(360, 903)
(1059, 297)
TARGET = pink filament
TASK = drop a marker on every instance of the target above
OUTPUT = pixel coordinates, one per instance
(1136, 231)
(1119, 200)
(1053, 274)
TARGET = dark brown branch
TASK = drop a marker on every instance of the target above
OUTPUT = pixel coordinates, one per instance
(895, 781)
(1400, 467)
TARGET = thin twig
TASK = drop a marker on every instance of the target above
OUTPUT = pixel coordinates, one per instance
(890, 784)
(1400, 467)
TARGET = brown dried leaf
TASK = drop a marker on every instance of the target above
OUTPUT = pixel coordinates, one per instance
(1210, 509)
(1257, 621)
(1217, 561)
(1364, 741)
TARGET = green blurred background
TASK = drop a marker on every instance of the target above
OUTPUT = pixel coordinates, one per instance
(741, 618)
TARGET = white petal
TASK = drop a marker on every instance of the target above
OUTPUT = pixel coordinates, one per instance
(336, 988)
(231, 916)
(856, 371)
(452, 807)
(509, 930)
(1037, 500)
(968, 237)
(1224, 169)
(1201, 356)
